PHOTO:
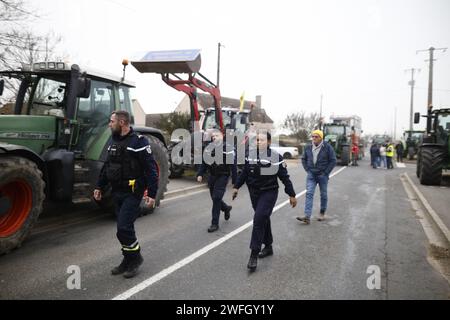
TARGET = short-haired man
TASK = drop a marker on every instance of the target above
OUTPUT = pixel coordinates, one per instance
(130, 169)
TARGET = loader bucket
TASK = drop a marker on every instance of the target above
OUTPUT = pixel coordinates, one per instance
(179, 61)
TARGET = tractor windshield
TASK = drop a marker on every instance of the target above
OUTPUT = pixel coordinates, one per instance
(444, 122)
(334, 130)
(416, 136)
(443, 128)
(42, 96)
(210, 120)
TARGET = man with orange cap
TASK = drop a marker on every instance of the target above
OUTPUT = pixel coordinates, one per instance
(318, 160)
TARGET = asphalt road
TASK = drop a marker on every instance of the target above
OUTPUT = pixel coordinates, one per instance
(371, 225)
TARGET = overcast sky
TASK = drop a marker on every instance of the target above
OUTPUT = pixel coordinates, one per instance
(354, 52)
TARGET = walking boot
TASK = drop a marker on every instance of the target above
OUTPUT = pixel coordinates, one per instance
(267, 251)
(133, 267)
(227, 213)
(253, 261)
(121, 268)
(213, 228)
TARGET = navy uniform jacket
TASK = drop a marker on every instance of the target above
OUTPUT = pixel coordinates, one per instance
(251, 174)
(138, 149)
(228, 166)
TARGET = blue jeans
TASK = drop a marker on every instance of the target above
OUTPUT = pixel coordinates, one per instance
(311, 181)
(384, 161)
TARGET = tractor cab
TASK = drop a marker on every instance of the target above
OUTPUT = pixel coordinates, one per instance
(336, 134)
(69, 107)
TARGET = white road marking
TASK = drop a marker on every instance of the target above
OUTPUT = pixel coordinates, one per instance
(400, 165)
(166, 272)
(183, 196)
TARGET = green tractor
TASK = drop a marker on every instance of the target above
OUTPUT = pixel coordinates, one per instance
(54, 145)
(411, 140)
(434, 148)
(339, 137)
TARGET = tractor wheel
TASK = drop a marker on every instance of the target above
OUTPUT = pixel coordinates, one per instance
(431, 166)
(161, 157)
(21, 200)
(345, 155)
(411, 153)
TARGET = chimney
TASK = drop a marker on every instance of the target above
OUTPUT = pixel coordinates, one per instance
(259, 102)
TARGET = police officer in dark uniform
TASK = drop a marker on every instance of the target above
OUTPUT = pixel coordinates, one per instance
(261, 175)
(220, 171)
(131, 171)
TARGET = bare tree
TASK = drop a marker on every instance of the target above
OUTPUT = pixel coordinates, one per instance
(27, 48)
(19, 45)
(13, 15)
(301, 124)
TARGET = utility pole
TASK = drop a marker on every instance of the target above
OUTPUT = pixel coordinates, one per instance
(412, 83)
(320, 115)
(430, 80)
(218, 63)
(395, 124)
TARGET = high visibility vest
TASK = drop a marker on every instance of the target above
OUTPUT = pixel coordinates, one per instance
(390, 151)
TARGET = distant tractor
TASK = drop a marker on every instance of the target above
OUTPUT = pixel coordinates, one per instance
(338, 136)
(434, 150)
(342, 133)
(411, 140)
(55, 144)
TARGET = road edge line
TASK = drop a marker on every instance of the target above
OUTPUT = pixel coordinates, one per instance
(434, 216)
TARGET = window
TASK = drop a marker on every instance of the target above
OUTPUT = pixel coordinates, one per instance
(210, 120)
(94, 113)
(49, 97)
(97, 109)
(241, 127)
(444, 121)
(334, 130)
(125, 99)
(126, 103)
